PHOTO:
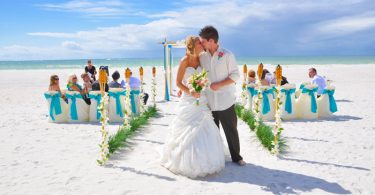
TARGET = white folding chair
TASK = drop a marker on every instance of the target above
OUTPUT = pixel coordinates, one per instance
(78, 108)
(250, 91)
(116, 104)
(299, 90)
(135, 101)
(288, 106)
(307, 107)
(267, 103)
(327, 103)
(57, 107)
(95, 97)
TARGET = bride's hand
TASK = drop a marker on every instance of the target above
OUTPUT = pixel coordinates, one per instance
(195, 94)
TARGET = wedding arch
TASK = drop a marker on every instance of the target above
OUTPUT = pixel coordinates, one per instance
(168, 64)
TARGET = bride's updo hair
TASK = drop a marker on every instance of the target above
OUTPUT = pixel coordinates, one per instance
(190, 45)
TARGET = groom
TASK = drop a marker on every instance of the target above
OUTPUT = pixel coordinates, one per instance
(223, 74)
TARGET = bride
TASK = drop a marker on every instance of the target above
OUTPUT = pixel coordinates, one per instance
(194, 147)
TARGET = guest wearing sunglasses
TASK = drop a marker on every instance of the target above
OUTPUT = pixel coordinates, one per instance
(54, 85)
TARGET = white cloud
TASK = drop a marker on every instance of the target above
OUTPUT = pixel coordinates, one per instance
(71, 45)
(52, 34)
(103, 9)
(334, 28)
(178, 23)
(346, 25)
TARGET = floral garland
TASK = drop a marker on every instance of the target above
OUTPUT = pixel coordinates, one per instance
(244, 86)
(103, 109)
(141, 97)
(244, 94)
(259, 97)
(277, 129)
(153, 86)
(256, 108)
(128, 109)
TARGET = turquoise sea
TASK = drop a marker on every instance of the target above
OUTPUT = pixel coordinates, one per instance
(136, 62)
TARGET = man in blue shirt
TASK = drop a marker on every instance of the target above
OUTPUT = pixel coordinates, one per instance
(135, 84)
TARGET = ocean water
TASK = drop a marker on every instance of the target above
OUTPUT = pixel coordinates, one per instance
(137, 62)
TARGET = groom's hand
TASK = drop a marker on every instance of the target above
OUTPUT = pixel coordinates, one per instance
(215, 86)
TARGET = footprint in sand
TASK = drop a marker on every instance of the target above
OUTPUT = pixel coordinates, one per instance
(71, 180)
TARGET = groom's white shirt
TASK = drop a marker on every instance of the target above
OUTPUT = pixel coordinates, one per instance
(220, 68)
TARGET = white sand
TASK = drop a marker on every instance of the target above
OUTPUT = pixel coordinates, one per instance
(334, 155)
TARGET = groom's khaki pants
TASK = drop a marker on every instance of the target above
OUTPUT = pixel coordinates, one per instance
(228, 120)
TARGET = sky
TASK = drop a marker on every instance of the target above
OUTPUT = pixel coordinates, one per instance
(81, 29)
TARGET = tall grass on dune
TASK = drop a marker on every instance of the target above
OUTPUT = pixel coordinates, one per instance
(264, 132)
(124, 133)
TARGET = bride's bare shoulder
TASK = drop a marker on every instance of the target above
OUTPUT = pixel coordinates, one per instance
(184, 61)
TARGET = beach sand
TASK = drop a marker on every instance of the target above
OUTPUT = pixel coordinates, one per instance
(332, 155)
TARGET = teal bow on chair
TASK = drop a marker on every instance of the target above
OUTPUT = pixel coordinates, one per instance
(288, 99)
(332, 101)
(302, 86)
(97, 98)
(266, 102)
(252, 91)
(55, 104)
(73, 106)
(311, 92)
(132, 99)
(117, 95)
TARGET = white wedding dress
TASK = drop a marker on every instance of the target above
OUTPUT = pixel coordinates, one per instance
(194, 147)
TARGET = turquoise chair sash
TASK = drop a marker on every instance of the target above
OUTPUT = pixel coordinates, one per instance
(266, 102)
(55, 104)
(117, 95)
(252, 91)
(97, 98)
(332, 101)
(302, 86)
(73, 106)
(288, 98)
(311, 92)
(132, 99)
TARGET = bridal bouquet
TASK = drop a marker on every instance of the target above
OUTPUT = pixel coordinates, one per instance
(198, 82)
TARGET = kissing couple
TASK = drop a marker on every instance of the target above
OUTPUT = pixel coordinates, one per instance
(194, 147)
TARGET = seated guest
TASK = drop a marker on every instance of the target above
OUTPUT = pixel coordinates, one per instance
(74, 86)
(91, 71)
(265, 78)
(54, 85)
(318, 80)
(96, 84)
(135, 84)
(114, 83)
(251, 77)
(283, 79)
(87, 87)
